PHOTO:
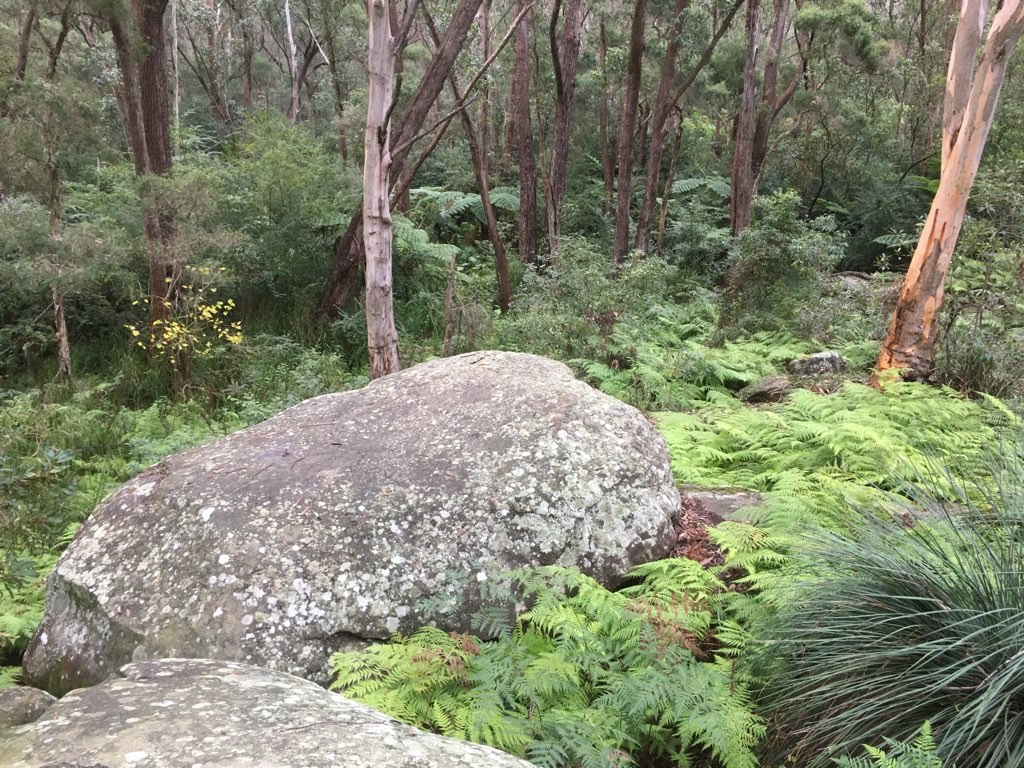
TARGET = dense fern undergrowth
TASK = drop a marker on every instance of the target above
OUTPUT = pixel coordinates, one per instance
(665, 672)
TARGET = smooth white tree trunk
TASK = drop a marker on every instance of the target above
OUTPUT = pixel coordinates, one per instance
(382, 338)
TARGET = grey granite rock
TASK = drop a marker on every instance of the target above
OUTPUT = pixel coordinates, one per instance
(200, 713)
(330, 523)
(22, 705)
(817, 364)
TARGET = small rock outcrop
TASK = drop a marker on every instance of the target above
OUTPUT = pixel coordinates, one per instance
(200, 713)
(725, 503)
(817, 364)
(769, 389)
(22, 705)
(333, 522)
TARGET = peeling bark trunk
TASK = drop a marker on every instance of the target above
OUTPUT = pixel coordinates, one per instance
(627, 127)
(381, 335)
(971, 98)
(61, 329)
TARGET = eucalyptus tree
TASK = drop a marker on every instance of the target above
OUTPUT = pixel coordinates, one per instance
(972, 93)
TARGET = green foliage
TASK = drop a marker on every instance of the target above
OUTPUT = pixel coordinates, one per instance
(982, 344)
(920, 753)
(697, 236)
(585, 677)
(629, 335)
(893, 625)
(850, 21)
(21, 610)
(777, 266)
(815, 457)
(280, 186)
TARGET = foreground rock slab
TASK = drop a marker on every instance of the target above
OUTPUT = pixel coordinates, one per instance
(199, 713)
(335, 521)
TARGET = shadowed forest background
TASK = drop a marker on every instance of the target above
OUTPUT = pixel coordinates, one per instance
(674, 197)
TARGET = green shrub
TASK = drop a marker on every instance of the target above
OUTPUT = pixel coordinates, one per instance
(778, 265)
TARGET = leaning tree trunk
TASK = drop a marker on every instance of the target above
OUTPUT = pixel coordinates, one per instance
(478, 156)
(381, 336)
(971, 98)
(659, 120)
(627, 126)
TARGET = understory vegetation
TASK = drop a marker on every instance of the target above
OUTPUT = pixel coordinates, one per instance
(866, 612)
(827, 592)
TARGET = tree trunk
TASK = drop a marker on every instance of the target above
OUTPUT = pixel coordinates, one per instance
(742, 198)
(607, 161)
(971, 98)
(293, 66)
(147, 118)
(477, 153)
(248, 52)
(21, 65)
(340, 92)
(564, 58)
(663, 214)
(662, 109)
(61, 329)
(772, 102)
(665, 103)
(348, 253)
(484, 19)
(627, 126)
(381, 335)
(524, 140)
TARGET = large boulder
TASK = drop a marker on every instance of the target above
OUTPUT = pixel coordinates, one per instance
(335, 521)
(199, 713)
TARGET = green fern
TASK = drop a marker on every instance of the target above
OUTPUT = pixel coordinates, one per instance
(921, 753)
(814, 458)
(585, 677)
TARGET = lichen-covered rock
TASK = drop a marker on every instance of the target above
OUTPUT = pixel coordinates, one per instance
(332, 522)
(817, 364)
(200, 713)
(22, 705)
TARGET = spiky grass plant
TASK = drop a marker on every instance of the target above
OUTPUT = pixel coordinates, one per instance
(896, 625)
